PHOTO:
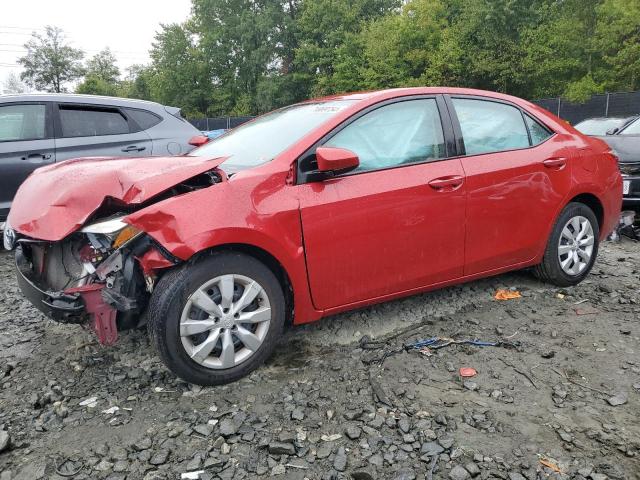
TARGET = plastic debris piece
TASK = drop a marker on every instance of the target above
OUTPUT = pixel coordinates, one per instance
(191, 475)
(468, 372)
(89, 402)
(560, 296)
(551, 465)
(502, 294)
(111, 411)
(586, 311)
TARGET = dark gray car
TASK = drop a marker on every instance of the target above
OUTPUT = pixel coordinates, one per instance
(626, 144)
(40, 129)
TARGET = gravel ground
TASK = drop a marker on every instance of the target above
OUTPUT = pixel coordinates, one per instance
(563, 403)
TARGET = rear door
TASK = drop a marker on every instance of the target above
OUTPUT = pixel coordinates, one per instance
(26, 143)
(517, 175)
(397, 222)
(98, 130)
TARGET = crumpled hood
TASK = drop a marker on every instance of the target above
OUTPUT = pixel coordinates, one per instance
(58, 199)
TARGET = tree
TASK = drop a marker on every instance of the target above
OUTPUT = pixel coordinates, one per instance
(93, 85)
(618, 40)
(137, 83)
(104, 66)
(180, 73)
(560, 57)
(50, 64)
(327, 30)
(245, 42)
(101, 75)
(13, 84)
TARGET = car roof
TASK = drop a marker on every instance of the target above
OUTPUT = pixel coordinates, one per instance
(400, 92)
(77, 98)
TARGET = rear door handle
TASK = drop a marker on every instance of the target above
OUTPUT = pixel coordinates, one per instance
(32, 156)
(133, 148)
(557, 163)
(449, 183)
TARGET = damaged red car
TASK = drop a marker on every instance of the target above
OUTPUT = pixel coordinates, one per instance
(308, 211)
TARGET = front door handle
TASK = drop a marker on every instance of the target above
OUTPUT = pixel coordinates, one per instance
(33, 156)
(556, 163)
(447, 184)
(133, 148)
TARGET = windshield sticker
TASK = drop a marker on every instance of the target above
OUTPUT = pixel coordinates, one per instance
(328, 108)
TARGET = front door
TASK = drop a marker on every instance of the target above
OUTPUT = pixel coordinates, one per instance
(26, 143)
(394, 224)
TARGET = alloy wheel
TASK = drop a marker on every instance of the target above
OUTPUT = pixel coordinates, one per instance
(225, 321)
(575, 247)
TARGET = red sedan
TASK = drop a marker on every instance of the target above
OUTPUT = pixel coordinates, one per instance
(311, 210)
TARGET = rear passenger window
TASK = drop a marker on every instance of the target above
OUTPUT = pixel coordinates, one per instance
(490, 126)
(144, 119)
(91, 122)
(538, 132)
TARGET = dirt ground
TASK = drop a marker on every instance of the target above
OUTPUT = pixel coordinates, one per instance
(561, 399)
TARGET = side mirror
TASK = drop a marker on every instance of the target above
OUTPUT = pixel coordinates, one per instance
(613, 131)
(339, 160)
(198, 140)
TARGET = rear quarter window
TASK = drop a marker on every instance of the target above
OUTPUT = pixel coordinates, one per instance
(143, 118)
(538, 132)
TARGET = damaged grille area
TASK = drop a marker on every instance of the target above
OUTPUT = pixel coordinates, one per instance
(630, 168)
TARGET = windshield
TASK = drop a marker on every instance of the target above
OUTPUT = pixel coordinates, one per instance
(262, 139)
(632, 129)
(599, 126)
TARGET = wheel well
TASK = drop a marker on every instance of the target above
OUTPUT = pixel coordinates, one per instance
(593, 203)
(271, 262)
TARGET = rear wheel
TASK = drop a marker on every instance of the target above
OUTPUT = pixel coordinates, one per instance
(216, 320)
(572, 247)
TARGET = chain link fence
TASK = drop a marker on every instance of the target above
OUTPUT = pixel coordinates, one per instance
(621, 104)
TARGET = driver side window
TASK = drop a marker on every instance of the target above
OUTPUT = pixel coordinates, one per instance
(397, 134)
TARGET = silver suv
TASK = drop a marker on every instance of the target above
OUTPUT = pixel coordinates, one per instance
(40, 129)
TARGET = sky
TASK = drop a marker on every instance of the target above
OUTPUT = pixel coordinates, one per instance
(126, 26)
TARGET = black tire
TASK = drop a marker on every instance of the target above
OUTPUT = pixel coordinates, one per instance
(169, 299)
(550, 270)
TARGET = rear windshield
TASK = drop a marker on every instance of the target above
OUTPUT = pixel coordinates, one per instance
(262, 139)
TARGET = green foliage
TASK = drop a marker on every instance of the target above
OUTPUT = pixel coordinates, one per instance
(50, 64)
(104, 66)
(94, 85)
(249, 56)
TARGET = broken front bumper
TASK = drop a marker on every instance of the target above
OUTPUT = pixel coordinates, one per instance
(61, 307)
(78, 305)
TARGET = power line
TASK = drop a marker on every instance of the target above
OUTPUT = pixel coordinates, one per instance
(18, 33)
(21, 28)
(119, 52)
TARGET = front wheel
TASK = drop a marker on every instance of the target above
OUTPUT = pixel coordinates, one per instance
(215, 320)
(572, 247)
